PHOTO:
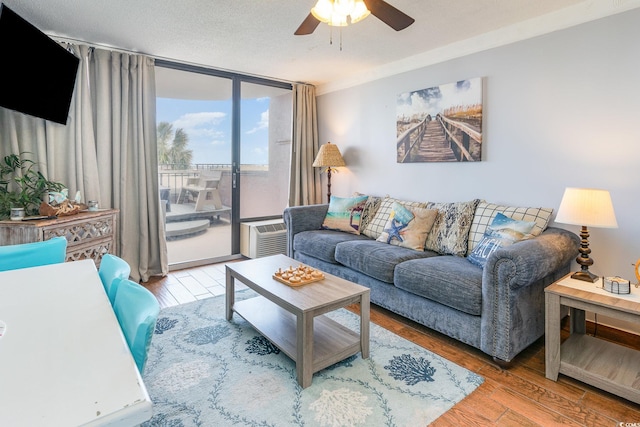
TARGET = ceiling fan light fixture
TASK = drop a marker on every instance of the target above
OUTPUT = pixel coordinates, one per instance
(359, 11)
(322, 10)
(338, 21)
(339, 13)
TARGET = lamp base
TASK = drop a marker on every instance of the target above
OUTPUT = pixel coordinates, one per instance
(585, 275)
(583, 259)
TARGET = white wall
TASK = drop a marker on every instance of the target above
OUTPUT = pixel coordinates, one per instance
(560, 110)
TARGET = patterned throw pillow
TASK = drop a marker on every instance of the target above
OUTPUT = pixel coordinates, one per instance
(376, 225)
(450, 233)
(503, 231)
(408, 227)
(485, 212)
(370, 209)
(344, 214)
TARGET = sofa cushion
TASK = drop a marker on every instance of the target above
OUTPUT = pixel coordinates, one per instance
(450, 233)
(321, 244)
(344, 214)
(485, 212)
(376, 224)
(408, 227)
(503, 231)
(448, 280)
(375, 259)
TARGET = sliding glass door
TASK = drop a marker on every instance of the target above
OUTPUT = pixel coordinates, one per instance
(223, 152)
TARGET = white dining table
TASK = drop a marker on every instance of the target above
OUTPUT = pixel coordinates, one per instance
(63, 358)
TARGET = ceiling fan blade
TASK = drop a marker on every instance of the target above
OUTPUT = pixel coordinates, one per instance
(389, 14)
(308, 26)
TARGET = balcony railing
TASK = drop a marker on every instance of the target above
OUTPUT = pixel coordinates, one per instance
(197, 166)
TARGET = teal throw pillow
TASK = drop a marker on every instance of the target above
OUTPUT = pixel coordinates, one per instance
(503, 231)
(345, 214)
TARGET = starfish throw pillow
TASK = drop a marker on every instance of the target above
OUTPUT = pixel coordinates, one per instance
(408, 226)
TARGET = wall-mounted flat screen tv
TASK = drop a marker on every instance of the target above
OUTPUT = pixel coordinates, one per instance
(37, 75)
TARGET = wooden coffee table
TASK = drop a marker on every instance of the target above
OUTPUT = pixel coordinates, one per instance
(292, 317)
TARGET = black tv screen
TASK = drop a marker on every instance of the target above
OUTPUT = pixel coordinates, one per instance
(37, 75)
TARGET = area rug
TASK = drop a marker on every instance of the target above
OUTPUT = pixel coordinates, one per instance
(205, 371)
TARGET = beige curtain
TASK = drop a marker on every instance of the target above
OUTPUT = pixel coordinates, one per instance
(107, 150)
(304, 184)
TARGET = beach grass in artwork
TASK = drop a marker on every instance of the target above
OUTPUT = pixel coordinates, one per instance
(344, 214)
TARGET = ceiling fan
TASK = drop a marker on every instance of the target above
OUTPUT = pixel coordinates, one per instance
(379, 8)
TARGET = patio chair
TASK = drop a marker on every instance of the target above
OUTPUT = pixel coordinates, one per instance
(137, 310)
(204, 189)
(52, 251)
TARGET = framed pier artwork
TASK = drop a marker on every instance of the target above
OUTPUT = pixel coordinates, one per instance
(441, 123)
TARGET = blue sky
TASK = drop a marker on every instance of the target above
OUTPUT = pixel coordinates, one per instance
(208, 125)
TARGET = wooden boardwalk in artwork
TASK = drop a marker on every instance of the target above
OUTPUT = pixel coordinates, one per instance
(440, 139)
(433, 147)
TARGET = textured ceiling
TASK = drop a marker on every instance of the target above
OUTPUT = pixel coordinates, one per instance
(256, 36)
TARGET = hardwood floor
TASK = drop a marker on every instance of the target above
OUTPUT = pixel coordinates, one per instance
(518, 396)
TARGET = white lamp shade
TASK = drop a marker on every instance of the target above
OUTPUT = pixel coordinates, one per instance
(587, 207)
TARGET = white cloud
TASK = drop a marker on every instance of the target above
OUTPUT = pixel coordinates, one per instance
(423, 102)
(196, 120)
(262, 124)
(201, 125)
(468, 94)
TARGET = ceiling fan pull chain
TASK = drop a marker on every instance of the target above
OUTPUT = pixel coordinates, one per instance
(340, 39)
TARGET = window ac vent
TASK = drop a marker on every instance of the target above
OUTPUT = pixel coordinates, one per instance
(263, 238)
(267, 228)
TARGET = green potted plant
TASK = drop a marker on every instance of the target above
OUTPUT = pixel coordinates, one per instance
(22, 185)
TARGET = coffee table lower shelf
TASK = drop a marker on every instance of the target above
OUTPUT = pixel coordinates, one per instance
(332, 342)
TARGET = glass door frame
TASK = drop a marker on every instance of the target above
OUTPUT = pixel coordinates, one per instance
(236, 98)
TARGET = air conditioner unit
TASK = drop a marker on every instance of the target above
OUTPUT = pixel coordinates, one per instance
(263, 238)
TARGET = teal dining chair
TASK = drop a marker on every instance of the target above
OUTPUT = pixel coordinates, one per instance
(52, 251)
(112, 268)
(137, 311)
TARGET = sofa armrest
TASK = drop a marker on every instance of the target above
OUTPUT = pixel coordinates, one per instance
(303, 218)
(530, 260)
(513, 283)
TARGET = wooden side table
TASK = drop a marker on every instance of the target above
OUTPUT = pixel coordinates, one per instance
(603, 364)
(89, 234)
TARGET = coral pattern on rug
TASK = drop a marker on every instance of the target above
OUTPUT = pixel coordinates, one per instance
(205, 371)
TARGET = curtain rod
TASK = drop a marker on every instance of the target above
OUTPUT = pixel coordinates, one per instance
(161, 58)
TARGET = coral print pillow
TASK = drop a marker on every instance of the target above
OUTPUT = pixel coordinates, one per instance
(344, 214)
(408, 227)
(503, 231)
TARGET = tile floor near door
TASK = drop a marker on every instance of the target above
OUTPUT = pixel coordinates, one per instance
(183, 286)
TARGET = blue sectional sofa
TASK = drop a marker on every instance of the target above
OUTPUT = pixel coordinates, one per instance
(498, 309)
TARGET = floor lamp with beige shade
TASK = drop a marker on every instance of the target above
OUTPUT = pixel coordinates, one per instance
(586, 207)
(328, 157)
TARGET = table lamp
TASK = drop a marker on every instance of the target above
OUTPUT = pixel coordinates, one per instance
(328, 157)
(586, 207)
